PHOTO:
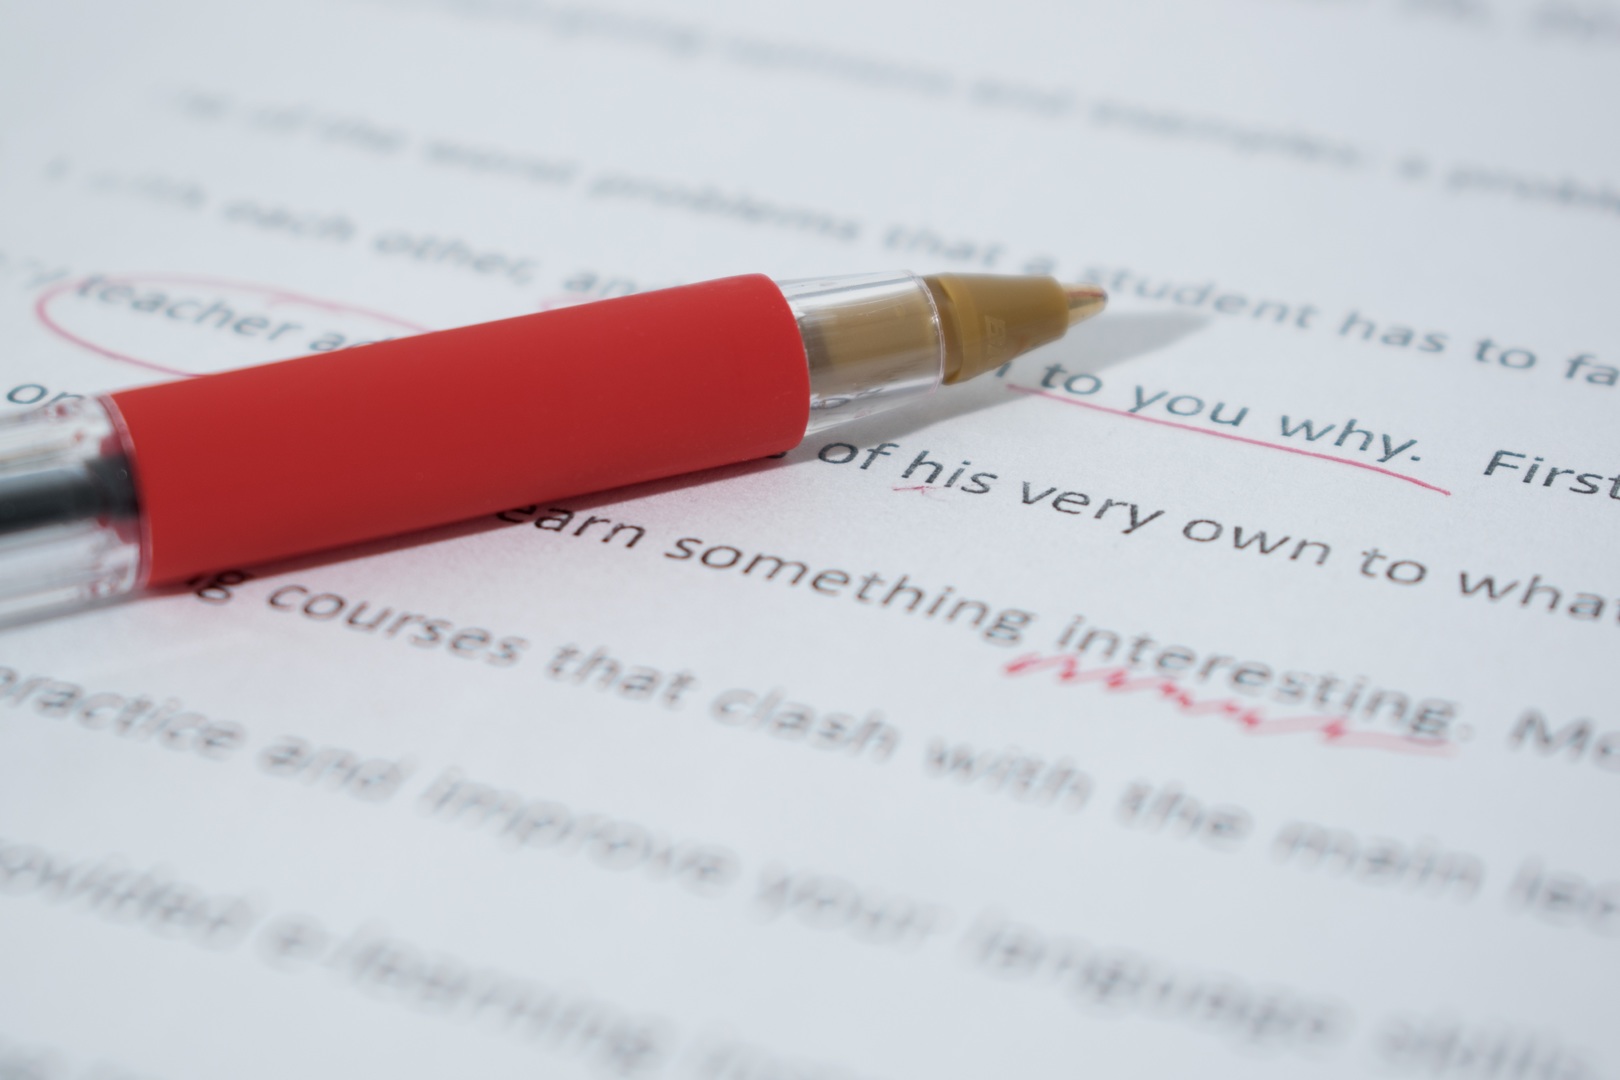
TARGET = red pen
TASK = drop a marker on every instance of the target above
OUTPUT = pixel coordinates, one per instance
(151, 486)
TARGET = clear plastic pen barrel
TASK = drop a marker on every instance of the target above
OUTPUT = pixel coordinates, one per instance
(73, 529)
(872, 341)
(69, 528)
(877, 341)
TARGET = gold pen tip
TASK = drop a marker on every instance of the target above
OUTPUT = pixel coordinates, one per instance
(988, 319)
(1084, 301)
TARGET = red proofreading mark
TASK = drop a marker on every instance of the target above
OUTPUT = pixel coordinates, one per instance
(1333, 730)
(272, 297)
(1224, 435)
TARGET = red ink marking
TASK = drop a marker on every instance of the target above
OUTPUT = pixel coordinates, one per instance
(1224, 435)
(1251, 719)
(926, 489)
(270, 295)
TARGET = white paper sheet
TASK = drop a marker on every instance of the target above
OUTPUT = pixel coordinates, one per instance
(1322, 782)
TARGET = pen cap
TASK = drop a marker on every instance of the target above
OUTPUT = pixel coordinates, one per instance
(69, 534)
(302, 455)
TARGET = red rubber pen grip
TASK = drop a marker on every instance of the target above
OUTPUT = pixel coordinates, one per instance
(322, 451)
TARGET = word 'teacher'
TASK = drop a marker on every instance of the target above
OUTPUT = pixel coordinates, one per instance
(1222, 691)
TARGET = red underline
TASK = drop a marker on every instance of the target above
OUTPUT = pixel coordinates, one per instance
(1224, 435)
(1334, 730)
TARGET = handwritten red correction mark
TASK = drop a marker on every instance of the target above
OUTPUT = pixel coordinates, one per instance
(269, 297)
(1334, 730)
(1225, 435)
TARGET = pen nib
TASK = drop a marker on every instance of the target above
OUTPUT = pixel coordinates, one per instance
(988, 319)
(1084, 301)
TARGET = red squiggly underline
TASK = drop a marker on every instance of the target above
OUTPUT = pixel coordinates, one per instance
(1334, 730)
(1224, 435)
